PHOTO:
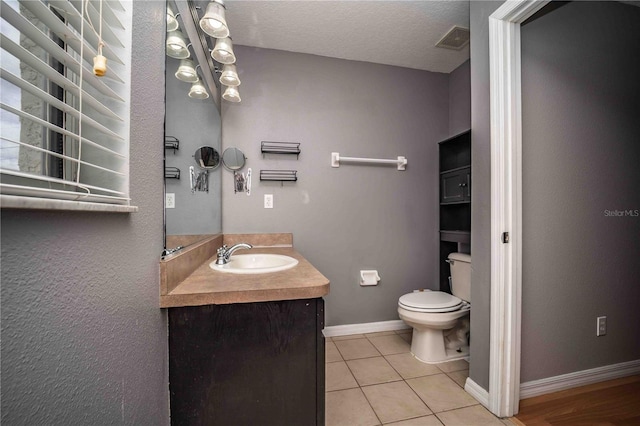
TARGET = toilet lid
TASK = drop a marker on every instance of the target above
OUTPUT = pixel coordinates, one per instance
(430, 301)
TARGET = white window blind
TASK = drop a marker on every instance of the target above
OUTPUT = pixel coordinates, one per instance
(64, 131)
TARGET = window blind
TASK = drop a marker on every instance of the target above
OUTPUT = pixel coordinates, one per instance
(64, 132)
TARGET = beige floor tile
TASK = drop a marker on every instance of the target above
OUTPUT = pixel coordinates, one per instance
(357, 348)
(349, 408)
(476, 416)
(372, 371)
(395, 401)
(508, 422)
(420, 421)
(406, 336)
(392, 344)
(457, 365)
(339, 377)
(347, 337)
(460, 377)
(380, 333)
(440, 393)
(331, 352)
(409, 367)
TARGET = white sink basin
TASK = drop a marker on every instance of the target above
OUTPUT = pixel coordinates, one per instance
(260, 263)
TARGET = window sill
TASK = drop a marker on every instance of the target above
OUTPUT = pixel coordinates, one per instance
(32, 203)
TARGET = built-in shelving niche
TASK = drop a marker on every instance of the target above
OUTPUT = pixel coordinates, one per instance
(455, 200)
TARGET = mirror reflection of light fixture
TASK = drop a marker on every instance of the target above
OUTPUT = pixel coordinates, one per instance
(198, 91)
(187, 71)
(213, 22)
(223, 51)
(229, 76)
(176, 45)
(172, 22)
(231, 94)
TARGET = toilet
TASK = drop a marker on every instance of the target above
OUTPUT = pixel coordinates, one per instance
(440, 320)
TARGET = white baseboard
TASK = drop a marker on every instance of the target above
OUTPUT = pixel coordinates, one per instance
(578, 378)
(368, 327)
(476, 391)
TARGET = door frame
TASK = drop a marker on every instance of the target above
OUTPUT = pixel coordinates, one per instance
(506, 203)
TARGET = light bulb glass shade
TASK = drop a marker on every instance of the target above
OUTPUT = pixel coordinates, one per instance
(213, 22)
(187, 71)
(229, 76)
(176, 45)
(231, 94)
(198, 91)
(172, 22)
(223, 51)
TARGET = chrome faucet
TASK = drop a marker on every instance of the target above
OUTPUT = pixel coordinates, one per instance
(224, 252)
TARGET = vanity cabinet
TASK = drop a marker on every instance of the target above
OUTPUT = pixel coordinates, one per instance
(455, 200)
(247, 363)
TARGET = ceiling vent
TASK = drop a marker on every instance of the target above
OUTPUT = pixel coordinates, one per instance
(456, 39)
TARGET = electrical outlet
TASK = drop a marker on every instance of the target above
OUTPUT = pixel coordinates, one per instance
(170, 200)
(268, 201)
(602, 326)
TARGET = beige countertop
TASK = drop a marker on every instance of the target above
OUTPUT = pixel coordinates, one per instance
(208, 287)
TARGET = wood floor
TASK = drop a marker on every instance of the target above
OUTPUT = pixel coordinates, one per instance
(615, 402)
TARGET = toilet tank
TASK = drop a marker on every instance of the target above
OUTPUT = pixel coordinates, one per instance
(460, 264)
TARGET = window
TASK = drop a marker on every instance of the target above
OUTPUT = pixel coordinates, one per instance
(64, 134)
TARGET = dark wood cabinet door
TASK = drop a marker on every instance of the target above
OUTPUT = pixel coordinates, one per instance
(455, 186)
(247, 364)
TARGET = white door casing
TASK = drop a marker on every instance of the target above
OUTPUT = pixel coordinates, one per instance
(506, 203)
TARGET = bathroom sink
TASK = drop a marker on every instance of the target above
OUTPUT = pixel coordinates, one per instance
(260, 263)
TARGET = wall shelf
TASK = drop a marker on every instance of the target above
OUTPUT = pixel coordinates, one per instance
(171, 142)
(171, 173)
(279, 175)
(291, 148)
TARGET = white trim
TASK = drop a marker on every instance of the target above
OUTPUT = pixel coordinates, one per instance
(579, 378)
(367, 327)
(477, 391)
(18, 202)
(506, 206)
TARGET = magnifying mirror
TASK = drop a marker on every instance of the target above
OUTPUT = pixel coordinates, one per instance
(233, 159)
(207, 158)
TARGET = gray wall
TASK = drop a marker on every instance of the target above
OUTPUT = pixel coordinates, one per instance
(83, 338)
(481, 194)
(195, 123)
(460, 99)
(581, 104)
(356, 216)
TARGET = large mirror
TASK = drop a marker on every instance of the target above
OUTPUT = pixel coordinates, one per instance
(192, 139)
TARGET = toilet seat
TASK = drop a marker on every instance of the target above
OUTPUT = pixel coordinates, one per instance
(430, 301)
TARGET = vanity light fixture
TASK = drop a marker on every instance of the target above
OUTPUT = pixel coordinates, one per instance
(198, 91)
(187, 71)
(177, 46)
(231, 94)
(213, 22)
(172, 22)
(229, 76)
(223, 51)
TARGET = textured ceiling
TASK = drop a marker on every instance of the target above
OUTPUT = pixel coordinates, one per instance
(401, 33)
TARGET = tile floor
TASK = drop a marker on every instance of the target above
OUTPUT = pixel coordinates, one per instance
(373, 379)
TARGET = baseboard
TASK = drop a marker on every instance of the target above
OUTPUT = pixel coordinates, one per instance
(477, 391)
(578, 378)
(368, 327)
